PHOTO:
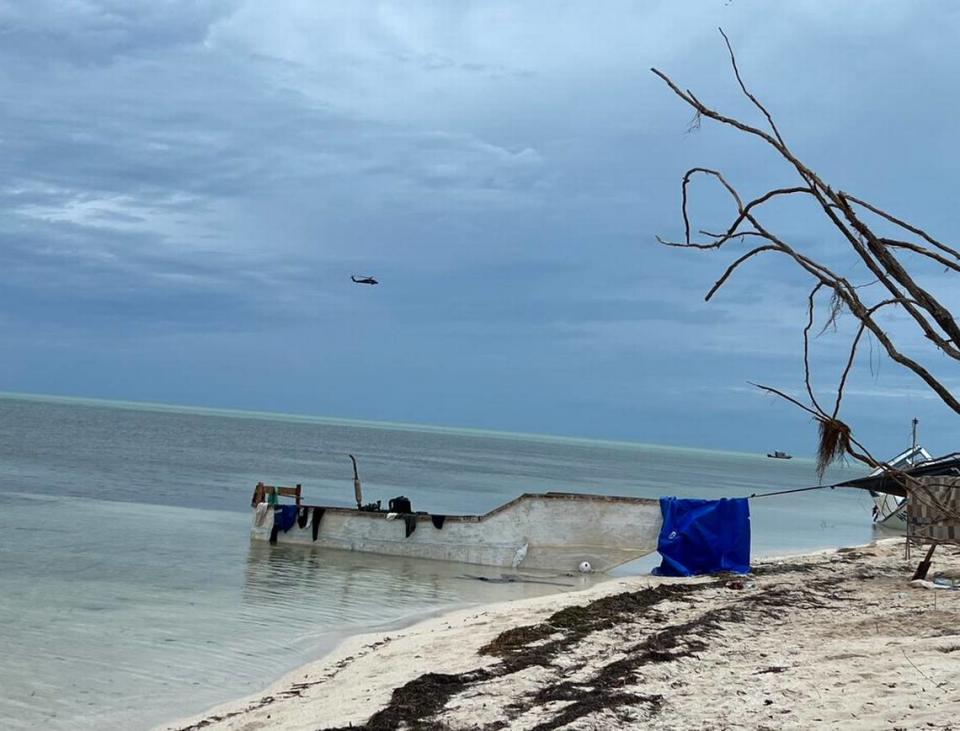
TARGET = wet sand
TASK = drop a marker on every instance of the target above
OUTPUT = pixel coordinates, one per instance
(837, 639)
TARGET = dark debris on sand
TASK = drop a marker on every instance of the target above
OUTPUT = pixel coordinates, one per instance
(419, 704)
(609, 690)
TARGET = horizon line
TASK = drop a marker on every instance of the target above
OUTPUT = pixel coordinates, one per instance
(348, 421)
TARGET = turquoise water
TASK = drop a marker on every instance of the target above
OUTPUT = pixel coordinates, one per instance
(131, 591)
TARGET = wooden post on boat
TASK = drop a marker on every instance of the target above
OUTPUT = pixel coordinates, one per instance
(357, 490)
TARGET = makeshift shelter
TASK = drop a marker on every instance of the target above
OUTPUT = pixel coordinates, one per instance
(933, 510)
(932, 492)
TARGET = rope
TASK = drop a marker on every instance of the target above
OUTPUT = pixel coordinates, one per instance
(787, 492)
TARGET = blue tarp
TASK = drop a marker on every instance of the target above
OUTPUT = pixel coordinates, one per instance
(704, 536)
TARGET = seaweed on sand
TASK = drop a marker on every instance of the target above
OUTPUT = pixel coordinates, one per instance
(784, 567)
(609, 691)
(539, 644)
(416, 704)
(606, 690)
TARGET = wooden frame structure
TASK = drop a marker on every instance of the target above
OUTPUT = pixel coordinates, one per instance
(261, 492)
(933, 515)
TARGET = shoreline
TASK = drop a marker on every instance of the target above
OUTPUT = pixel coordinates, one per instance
(368, 638)
(336, 639)
(534, 662)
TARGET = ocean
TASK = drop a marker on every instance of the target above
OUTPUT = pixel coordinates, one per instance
(131, 593)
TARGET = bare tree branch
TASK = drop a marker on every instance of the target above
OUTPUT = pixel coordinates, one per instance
(923, 251)
(904, 225)
(736, 71)
(806, 346)
(834, 204)
(738, 262)
(791, 399)
(895, 271)
(877, 253)
(853, 353)
(686, 182)
(833, 432)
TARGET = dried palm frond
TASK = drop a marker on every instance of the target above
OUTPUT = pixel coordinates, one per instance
(834, 443)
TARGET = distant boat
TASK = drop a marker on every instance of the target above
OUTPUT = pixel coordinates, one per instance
(779, 455)
(558, 531)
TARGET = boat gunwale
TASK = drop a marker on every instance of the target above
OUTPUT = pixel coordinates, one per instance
(572, 496)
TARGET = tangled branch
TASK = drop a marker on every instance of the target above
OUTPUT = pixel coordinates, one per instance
(879, 254)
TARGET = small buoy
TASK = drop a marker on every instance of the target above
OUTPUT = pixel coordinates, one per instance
(585, 567)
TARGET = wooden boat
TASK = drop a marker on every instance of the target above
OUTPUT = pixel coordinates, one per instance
(556, 531)
(779, 455)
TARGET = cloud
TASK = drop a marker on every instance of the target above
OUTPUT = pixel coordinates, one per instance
(214, 172)
(83, 32)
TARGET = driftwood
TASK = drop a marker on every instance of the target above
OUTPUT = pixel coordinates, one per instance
(857, 222)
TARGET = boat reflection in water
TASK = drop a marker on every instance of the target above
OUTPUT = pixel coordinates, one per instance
(314, 591)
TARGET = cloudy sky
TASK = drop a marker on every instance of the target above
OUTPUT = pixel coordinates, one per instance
(187, 187)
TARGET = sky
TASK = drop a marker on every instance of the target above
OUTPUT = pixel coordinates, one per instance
(187, 188)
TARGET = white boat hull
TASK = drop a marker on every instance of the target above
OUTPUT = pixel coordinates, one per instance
(890, 511)
(559, 531)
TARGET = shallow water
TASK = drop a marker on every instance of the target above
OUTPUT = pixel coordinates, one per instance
(131, 590)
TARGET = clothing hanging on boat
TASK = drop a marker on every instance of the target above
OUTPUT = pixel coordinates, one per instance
(284, 516)
(411, 524)
(260, 514)
(317, 517)
(287, 515)
(704, 536)
(303, 515)
(438, 521)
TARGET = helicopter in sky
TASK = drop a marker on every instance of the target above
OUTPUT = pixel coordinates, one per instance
(363, 280)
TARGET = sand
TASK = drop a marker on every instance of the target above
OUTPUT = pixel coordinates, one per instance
(837, 639)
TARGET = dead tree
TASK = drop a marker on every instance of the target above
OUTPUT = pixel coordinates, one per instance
(857, 222)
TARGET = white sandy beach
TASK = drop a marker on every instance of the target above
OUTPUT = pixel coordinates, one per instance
(837, 639)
